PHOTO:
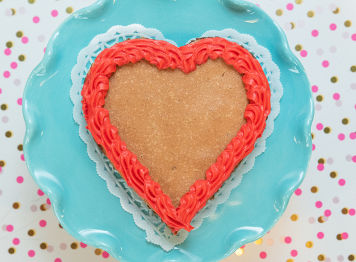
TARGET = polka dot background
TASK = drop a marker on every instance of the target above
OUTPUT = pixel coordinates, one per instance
(320, 221)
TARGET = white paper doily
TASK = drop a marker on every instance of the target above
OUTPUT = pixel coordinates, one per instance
(145, 218)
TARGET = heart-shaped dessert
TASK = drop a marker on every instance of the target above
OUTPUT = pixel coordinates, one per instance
(176, 121)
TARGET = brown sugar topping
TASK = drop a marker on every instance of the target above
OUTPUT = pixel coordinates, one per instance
(177, 124)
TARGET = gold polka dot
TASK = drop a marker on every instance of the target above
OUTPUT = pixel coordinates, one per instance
(345, 211)
(345, 121)
(3, 106)
(338, 237)
(69, 9)
(22, 58)
(31, 232)
(294, 217)
(13, 11)
(8, 134)
(43, 245)
(16, 205)
(321, 219)
(31, 1)
(74, 245)
(292, 25)
(290, 260)
(333, 174)
(9, 44)
(319, 98)
(312, 135)
(60, 226)
(353, 68)
(258, 241)
(309, 244)
(298, 47)
(334, 79)
(239, 252)
(19, 33)
(98, 251)
(20, 147)
(43, 207)
(310, 13)
(347, 23)
(298, 2)
(12, 250)
(321, 257)
(327, 130)
(336, 10)
(314, 189)
(321, 161)
(279, 12)
(351, 257)
(2, 163)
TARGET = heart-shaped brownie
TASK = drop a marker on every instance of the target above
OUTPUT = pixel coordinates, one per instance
(176, 121)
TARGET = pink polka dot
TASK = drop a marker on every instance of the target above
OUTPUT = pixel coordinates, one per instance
(352, 211)
(6, 74)
(105, 254)
(318, 204)
(288, 240)
(319, 126)
(290, 6)
(325, 63)
(353, 135)
(22, 157)
(82, 245)
(332, 27)
(303, 53)
(336, 96)
(48, 201)
(294, 253)
(354, 158)
(345, 235)
(58, 260)
(298, 192)
(35, 19)
(54, 13)
(24, 39)
(313, 147)
(263, 255)
(31, 253)
(342, 182)
(320, 235)
(19, 101)
(40, 192)
(353, 37)
(42, 223)
(327, 212)
(320, 167)
(9, 228)
(341, 136)
(16, 241)
(315, 88)
(315, 33)
(7, 51)
(13, 65)
(19, 179)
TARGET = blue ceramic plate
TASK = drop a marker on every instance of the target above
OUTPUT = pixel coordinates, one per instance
(57, 157)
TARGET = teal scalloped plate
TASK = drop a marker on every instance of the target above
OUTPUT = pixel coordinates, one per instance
(58, 161)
